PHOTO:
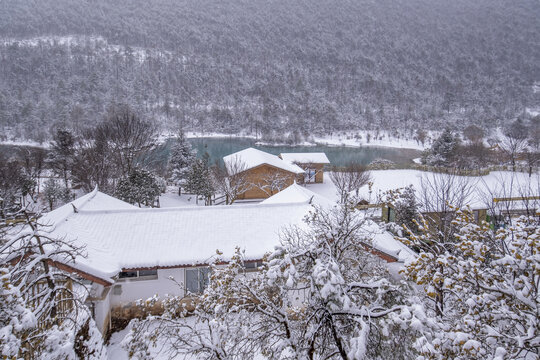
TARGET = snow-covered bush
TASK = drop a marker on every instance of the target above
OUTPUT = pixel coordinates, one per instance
(481, 290)
(321, 294)
(41, 311)
(381, 164)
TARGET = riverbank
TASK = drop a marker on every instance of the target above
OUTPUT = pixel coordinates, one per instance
(363, 138)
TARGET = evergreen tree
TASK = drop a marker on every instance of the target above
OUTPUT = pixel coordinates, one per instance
(62, 155)
(140, 187)
(53, 193)
(182, 156)
(199, 178)
(405, 206)
(443, 150)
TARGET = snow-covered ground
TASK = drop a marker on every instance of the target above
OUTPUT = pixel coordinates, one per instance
(351, 139)
(171, 199)
(376, 138)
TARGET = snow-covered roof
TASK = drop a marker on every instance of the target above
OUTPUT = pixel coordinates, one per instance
(305, 158)
(483, 188)
(297, 194)
(130, 237)
(117, 235)
(250, 158)
(94, 200)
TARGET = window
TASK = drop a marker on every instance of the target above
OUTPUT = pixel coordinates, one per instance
(310, 175)
(197, 279)
(127, 274)
(252, 265)
(148, 273)
(138, 274)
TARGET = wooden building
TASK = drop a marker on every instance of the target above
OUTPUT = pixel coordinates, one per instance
(312, 163)
(264, 174)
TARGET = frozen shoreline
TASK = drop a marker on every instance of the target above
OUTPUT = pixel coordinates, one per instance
(353, 139)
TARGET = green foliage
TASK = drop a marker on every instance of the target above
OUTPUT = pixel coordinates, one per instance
(140, 187)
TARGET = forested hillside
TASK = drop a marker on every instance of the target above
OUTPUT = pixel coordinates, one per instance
(285, 66)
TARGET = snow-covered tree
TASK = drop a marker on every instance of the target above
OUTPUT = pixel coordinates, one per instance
(481, 290)
(321, 294)
(15, 318)
(182, 156)
(348, 179)
(515, 140)
(231, 179)
(11, 190)
(199, 179)
(42, 314)
(141, 187)
(62, 154)
(443, 150)
(54, 193)
(405, 205)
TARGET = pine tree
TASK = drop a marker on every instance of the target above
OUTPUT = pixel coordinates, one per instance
(443, 150)
(53, 193)
(199, 179)
(140, 187)
(62, 155)
(182, 156)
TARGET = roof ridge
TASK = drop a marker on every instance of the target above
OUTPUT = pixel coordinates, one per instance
(192, 208)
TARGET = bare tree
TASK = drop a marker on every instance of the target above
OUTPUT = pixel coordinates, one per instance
(95, 163)
(231, 179)
(509, 196)
(10, 185)
(515, 141)
(33, 165)
(129, 136)
(272, 182)
(474, 133)
(440, 195)
(349, 178)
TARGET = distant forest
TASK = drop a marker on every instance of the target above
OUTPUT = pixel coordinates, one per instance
(271, 67)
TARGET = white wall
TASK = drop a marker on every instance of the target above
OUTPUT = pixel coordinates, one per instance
(135, 289)
(101, 307)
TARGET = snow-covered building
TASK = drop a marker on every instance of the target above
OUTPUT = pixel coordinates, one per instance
(133, 253)
(312, 163)
(500, 193)
(267, 174)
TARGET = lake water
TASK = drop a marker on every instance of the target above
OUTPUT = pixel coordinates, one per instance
(217, 148)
